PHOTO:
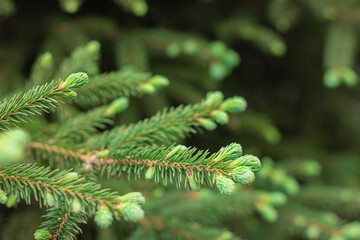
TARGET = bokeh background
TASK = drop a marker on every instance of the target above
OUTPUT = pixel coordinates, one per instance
(296, 64)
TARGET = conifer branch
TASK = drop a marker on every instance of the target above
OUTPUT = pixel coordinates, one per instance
(177, 164)
(42, 69)
(264, 38)
(314, 224)
(219, 59)
(170, 125)
(163, 128)
(83, 59)
(83, 125)
(339, 55)
(62, 224)
(106, 87)
(47, 150)
(337, 199)
(208, 207)
(41, 180)
(17, 110)
(130, 51)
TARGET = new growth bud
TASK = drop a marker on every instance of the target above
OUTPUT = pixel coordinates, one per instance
(250, 161)
(207, 123)
(103, 154)
(267, 211)
(226, 235)
(331, 79)
(139, 8)
(93, 47)
(214, 99)
(173, 50)
(147, 88)
(217, 70)
(225, 185)
(49, 199)
(12, 200)
(312, 232)
(3, 197)
(13, 144)
(275, 198)
(230, 152)
(220, 117)
(42, 234)
(278, 48)
(70, 6)
(217, 48)
(159, 81)
(352, 230)
(190, 47)
(76, 206)
(194, 186)
(310, 167)
(46, 59)
(176, 150)
(117, 106)
(231, 58)
(290, 185)
(70, 176)
(243, 175)
(103, 217)
(71, 94)
(150, 172)
(234, 105)
(131, 212)
(349, 77)
(76, 80)
(133, 197)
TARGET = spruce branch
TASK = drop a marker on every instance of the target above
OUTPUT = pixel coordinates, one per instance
(42, 69)
(54, 154)
(171, 124)
(181, 165)
(338, 199)
(29, 179)
(108, 86)
(63, 188)
(177, 164)
(62, 224)
(316, 224)
(219, 59)
(17, 110)
(130, 51)
(339, 55)
(209, 207)
(84, 125)
(83, 59)
(264, 38)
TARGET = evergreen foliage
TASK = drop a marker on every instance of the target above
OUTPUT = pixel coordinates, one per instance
(79, 142)
(102, 104)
